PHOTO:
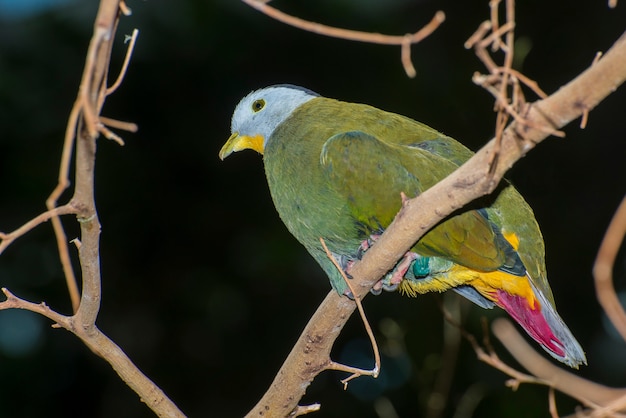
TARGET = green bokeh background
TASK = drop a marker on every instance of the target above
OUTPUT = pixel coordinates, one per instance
(202, 285)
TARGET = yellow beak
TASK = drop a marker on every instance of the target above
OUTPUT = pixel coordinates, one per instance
(238, 142)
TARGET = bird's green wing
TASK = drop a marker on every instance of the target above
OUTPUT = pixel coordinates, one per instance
(371, 175)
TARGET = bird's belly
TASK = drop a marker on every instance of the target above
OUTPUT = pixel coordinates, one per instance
(310, 218)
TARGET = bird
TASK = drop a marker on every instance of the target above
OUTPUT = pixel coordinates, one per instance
(341, 171)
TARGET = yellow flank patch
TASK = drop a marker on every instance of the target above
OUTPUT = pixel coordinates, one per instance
(512, 238)
(413, 288)
(439, 283)
(486, 283)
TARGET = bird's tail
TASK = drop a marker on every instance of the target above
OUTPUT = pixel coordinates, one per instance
(516, 294)
(544, 325)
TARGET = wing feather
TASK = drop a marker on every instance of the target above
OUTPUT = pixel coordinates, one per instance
(371, 175)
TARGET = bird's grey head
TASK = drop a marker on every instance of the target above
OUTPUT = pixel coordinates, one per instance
(260, 112)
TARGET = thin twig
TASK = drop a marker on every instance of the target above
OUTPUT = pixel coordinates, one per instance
(347, 34)
(63, 183)
(532, 84)
(119, 124)
(502, 79)
(305, 409)
(126, 11)
(496, 36)
(8, 238)
(405, 57)
(589, 393)
(14, 302)
(109, 134)
(554, 413)
(86, 99)
(611, 409)
(356, 372)
(478, 35)
(505, 109)
(129, 53)
(585, 117)
(478, 79)
(494, 6)
(489, 356)
(452, 338)
(354, 35)
(603, 270)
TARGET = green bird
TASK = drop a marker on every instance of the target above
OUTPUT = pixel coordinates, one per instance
(339, 171)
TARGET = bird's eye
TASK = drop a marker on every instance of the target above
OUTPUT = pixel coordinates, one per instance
(258, 105)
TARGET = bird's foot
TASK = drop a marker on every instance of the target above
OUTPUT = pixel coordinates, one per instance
(346, 262)
(392, 280)
(366, 245)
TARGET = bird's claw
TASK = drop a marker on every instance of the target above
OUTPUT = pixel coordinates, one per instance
(392, 280)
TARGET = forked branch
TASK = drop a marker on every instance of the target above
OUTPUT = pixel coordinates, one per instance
(84, 126)
(404, 41)
(595, 396)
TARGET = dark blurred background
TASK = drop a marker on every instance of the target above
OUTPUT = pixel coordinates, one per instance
(202, 285)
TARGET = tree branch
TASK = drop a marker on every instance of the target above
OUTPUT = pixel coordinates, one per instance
(564, 381)
(405, 41)
(7, 239)
(104, 347)
(603, 270)
(83, 128)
